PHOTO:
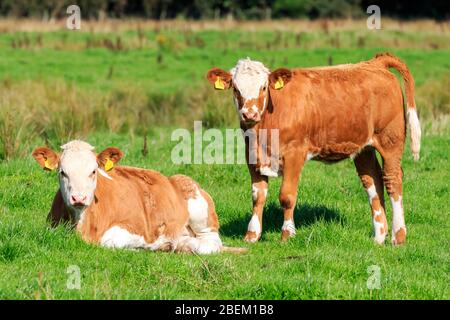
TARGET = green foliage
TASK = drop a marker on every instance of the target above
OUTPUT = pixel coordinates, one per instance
(293, 8)
(317, 8)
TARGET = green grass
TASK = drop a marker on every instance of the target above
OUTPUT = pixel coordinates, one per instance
(328, 258)
(66, 55)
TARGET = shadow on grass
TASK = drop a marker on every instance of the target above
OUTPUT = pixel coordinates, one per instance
(304, 215)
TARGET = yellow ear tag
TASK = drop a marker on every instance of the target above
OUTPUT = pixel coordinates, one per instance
(279, 84)
(109, 165)
(47, 165)
(219, 84)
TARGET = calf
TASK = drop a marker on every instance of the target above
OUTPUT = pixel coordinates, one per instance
(126, 207)
(328, 114)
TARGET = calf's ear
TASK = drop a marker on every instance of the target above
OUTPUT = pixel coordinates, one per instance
(279, 78)
(219, 78)
(108, 158)
(46, 158)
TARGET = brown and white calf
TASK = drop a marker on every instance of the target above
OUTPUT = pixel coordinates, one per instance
(328, 114)
(126, 207)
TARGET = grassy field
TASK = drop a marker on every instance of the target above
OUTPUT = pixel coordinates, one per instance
(113, 87)
(329, 257)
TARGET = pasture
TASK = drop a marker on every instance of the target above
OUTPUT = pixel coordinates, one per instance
(113, 87)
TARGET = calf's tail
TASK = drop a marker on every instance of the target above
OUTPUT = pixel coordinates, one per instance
(390, 61)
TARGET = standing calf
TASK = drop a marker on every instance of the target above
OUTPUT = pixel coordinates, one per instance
(126, 207)
(328, 114)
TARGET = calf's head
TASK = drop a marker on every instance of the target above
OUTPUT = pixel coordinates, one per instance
(78, 168)
(251, 82)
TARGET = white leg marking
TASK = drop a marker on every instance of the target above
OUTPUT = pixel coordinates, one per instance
(117, 237)
(209, 242)
(371, 193)
(290, 227)
(255, 192)
(398, 219)
(254, 226)
(191, 243)
(379, 237)
(206, 242)
(267, 171)
(377, 226)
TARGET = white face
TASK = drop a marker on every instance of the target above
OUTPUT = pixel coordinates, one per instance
(250, 83)
(78, 176)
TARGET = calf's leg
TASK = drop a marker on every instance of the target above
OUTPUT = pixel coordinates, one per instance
(393, 176)
(390, 143)
(204, 223)
(369, 172)
(260, 187)
(293, 163)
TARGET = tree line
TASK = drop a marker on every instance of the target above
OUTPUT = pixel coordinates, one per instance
(219, 9)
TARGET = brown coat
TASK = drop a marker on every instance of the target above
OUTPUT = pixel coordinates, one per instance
(141, 201)
(329, 114)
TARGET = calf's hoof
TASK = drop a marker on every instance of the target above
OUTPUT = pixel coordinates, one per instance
(379, 239)
(251, 236)
(399, 237)
(286, 235)
(288, 230)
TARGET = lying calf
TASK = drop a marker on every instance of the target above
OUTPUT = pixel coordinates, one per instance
(125, 207)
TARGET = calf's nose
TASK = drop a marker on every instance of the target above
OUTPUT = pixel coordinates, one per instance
(249, 116)
(78, 200)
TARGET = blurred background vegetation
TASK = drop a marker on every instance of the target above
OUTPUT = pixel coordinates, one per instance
(237, 9)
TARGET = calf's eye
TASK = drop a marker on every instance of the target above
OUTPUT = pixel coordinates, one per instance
(63, 174)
